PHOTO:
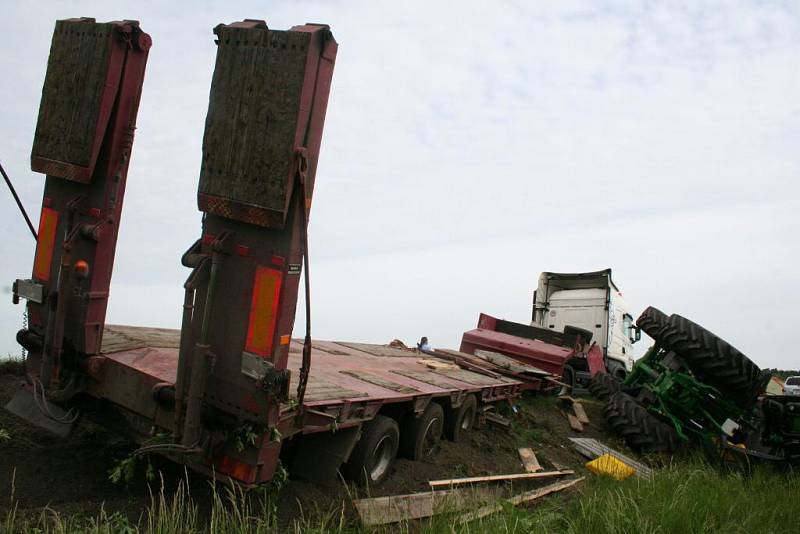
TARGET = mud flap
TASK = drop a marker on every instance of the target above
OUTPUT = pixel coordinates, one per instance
(24, 405)
(320, 455)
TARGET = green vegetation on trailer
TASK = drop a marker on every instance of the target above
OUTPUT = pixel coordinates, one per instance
(688, 497)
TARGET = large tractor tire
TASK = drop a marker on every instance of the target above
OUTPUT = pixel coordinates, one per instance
(714, 361)
(652, 321)
(603, 386)
(641, 430)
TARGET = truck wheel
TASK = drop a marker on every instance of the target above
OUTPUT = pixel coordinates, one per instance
(458, 421)
(641, 430)
(603, 386)
(714, 361)
(652, 321)
(373, 456)
(420, 436)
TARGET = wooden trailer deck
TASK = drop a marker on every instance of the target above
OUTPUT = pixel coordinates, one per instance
(341, 372)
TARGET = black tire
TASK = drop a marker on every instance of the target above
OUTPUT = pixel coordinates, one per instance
(641, 430)
(459, 421)
(420, 436)
(714, 361)
(652, 321)
(603, 386)
(568, 379)
(374, 454)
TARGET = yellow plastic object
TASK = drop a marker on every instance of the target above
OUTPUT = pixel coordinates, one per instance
(611, 466)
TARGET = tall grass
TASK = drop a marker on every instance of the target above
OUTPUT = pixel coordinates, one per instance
(693, 497)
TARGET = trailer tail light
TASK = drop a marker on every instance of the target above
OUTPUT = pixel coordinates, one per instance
(48, 223)
(263, 311)
(236, 469)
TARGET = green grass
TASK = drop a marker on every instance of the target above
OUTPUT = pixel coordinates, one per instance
(693, 497)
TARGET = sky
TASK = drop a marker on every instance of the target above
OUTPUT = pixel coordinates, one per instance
(468, 147)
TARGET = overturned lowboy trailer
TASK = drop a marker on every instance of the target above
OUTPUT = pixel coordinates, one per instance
(230, 393)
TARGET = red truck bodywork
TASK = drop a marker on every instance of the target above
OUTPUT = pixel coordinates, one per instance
(535, 352)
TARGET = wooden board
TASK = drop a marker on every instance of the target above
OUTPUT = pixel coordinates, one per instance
(117, 338)
(470, 377)
(427, 377)
(253, 111)
(528, 496)
(395, 508)
(574, 423)
(529, 460)
(436, 364)
(74, 85)
(495, 478)
(580, 413)
(380, 381)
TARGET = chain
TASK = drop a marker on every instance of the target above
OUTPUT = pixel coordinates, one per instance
(24, 327)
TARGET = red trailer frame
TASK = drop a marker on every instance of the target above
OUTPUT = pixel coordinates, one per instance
(232, 368)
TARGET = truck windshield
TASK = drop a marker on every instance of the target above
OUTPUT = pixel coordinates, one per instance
(793, 381)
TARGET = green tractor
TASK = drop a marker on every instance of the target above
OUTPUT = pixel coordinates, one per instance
(693, 387)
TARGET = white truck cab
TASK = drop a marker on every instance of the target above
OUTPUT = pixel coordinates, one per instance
(592, 302)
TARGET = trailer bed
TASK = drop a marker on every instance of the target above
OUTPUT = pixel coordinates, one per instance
(341, 372)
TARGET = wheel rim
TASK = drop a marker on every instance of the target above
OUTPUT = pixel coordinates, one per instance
(382, 457)
(431, 438)
(466, 422)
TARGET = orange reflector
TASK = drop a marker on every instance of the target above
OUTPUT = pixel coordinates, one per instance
(263, 311)
(286, 339)
(236, 469)
(48, 223)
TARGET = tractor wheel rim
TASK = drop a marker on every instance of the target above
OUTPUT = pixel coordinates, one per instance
(382, 457)
(466, 422)
(431, 438)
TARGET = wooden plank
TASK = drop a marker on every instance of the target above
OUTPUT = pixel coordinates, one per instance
(580, 413)
(427, 377)
(470, 377)
(435, 364)
(591, 448)
(379, 381)
(495, 478)
(529, 460)
(394, 508)
(253, 115)
(528, 496)
(573, 421)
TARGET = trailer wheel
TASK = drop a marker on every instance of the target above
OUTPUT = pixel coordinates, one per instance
(458, 421)
(714, 361)
(372, 457)
(603, 386)
(420, 436)
(652, 321)
(641, 430)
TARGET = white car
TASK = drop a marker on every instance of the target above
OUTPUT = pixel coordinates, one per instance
(792, 386)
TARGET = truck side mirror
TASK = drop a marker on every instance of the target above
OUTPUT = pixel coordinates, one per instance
(637, 334)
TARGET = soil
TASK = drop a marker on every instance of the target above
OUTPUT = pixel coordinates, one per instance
(71, 475)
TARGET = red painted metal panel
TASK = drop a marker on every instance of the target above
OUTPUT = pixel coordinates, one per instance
(550, 358)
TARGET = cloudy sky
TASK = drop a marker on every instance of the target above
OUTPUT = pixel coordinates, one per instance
(468, 148)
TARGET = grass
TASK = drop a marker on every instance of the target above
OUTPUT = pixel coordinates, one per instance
(12, 365)
(692, 497)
